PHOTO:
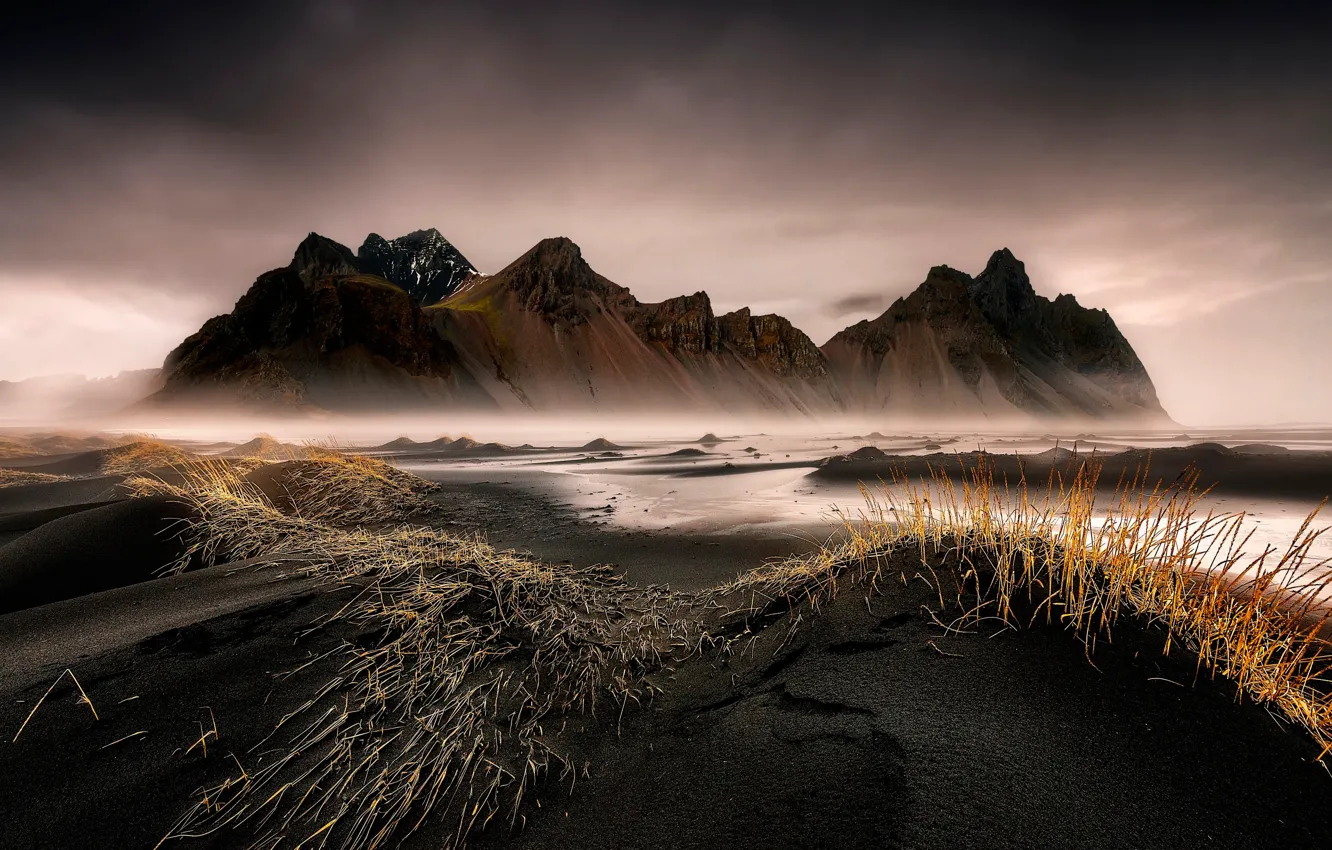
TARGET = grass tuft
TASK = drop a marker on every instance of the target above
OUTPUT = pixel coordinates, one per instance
(18, 477)
(141, 456)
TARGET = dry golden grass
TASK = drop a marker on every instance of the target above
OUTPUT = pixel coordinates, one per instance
(17, 448)
(249, 507)
(447, 712)
(16, 477)
(141, 456)
(1058, 554)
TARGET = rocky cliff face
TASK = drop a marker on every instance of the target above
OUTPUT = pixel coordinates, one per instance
(993, 345)
(284, 332)
(554, 281)
(555, 333)
(773, 342)
(307, 334)
(423, 263)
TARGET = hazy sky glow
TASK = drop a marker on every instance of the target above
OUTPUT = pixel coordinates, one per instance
(1176, 170)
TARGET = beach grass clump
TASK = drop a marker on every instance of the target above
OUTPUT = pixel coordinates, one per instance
(247, 506)
(340, 487)
(454, 709)
(1062, 554)
(141, 456)
(18, 477)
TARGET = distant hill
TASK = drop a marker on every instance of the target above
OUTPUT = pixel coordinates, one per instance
(74, 396)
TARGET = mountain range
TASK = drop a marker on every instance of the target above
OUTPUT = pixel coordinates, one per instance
(409, 323)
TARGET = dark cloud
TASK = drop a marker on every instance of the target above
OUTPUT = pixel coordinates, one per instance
(858, 303)
(813, 159)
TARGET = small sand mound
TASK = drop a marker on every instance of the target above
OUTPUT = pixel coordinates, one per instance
(266, 448)
(341, 489)
(686, 453)
(141, 456)
(1057, 454)
(866, 454)
(709, 439)
(1260, 449)
(1211, 448)
(601, 444)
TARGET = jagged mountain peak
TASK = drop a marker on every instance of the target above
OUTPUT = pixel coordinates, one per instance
(1005, 295)
(553, 279)
(1003, 260)
(557, 253)
(423, 263)
(1004, 276)
(318, 256)
(1004, 342)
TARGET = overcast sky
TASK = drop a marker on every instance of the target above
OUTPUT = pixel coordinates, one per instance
(810, 160)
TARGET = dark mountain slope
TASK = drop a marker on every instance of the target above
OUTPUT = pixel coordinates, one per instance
(991, 347)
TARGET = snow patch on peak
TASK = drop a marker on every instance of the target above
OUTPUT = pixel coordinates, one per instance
(423, 263)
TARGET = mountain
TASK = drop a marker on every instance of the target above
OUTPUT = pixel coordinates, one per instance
(991, 346)
(545, 333)
(60, 397)
(319, 335)
(409, 322)
(423, 263)
(318, 256)
(549, 333)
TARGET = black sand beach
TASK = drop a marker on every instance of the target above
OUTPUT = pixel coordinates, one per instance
(869, 728)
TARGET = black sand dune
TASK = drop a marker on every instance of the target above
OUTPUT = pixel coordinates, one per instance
(28, 520)
(27, 462)
(59, 494)
(88, 551)
(400, 444)
(15, 525)
(85, 463)
(1296, 475)
(862, 733)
